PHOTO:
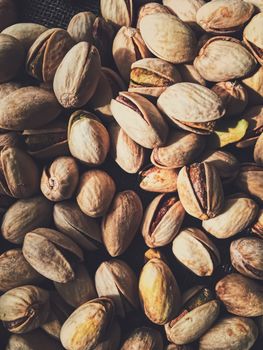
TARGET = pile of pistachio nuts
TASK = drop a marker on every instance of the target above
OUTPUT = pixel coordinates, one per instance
(131, 178)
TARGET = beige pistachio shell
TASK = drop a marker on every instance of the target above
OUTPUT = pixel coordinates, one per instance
(143, 338)
(195, 251)
(258, 151)
(190, 74)
(24, 308)
(253, 36)
(230, 333)
(181, 149)
(116, 280)
(74, 87)
(223, 16)
(154, 179)
(26, 215)
(257, 227)
(95, 193)
(140, 119)
(258, 4)
(159, 292)
(247, 256)
(121, 222)
(88, 325)
(212, 58)
(249, 180)
(127, 153)
(159, 32)
(254, 86)
(162, 220)
(71, 221)
(193, 324)
(119, 12)
(149, 8)
(238, 213)
(112, 342)
(8, 88)
(240, 295)
(46, 251)
(80, 26)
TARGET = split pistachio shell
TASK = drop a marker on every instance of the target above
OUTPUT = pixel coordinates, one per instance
(258, 151)
(24, 308)
(88, 138)
(195, 251)
(159, 292)
(51, 254)
(238, 213)
(127, 153)
(159, 31)
(119, 12)
(240, 295)
(254, 86)
(71, 221)
(212, 58)
(258, 4)
(181, 149)
(190, 74)
(143, 338)
(162, 220)
(116, 280)
(250, 181)
(121, 222)
(26, 215)
(88, 325)
(140, 119)
(247, 256)
(253, 34)
(74, 87)
(154, 179)
(151, 76)
(95, 193)
(230, 333)
(150, 8)
(223, 16)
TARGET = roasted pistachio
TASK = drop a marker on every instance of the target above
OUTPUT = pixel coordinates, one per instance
(150, 8)
(112, 342)
(253, 36)
(257, 227)
(258, 150)
(119, 12)
(190, 74)
(154, 179)
(254, 86)
(250, 181)
(143, 338)
(8, 88)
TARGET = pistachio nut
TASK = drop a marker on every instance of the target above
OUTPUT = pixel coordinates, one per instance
(258, 150)
(190, 74)
(154, 179)
(8, 88)
(109, 85)
(11, 57)
(230, 333)
(162, 220)
(119, 12)
(254, 86)
(150, 8)
(128, 47)
(95, 192)
(200, 190)
(88, 325)
(60, 179)
(240, 295)
(121, 222)
(81, 25)
(15, 271)
(180, 149)
(196, 251)
(140, 119)
(26, 215)
(79, 290)
(24, 308)
(233, 95)
(159, 31)
(159, 293)
(127, 153)
(88, 138)
(250, 181)
(212, 58)
(46, 53)
(223, 16)
(8, 13)
(237, 214)
(73, 88)
(257, 226)
(33, 108)
(258, 4)
(153, 253)
(116, 280)
(151, 76)
(112, 342)
(192, 107)
(49, 141)
(26, 33)
(52, 254)
(143, 338)
(200, 310)
(253, 36)
(247, 256)
(33, 340)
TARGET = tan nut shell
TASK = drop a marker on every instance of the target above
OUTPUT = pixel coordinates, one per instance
(253, 36)
(258, 150)
(254, 86)
(186, 10)
(159, 180)
(149, 8)
(195, 251)
(119, 12)
(212, 58)
(190, 74)
(159, 32)
(250, 181)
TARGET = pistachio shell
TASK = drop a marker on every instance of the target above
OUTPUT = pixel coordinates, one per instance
(258, 4)
(150, 8)
(112, 342)
(253, 34)
(249, 180)
(257, 227)
(159, 30)
(119, 12)
(143, 338)
(154, 179)
(258, 150)
(254, 86)
(8, 88)
(190, 74)
(80, 26)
